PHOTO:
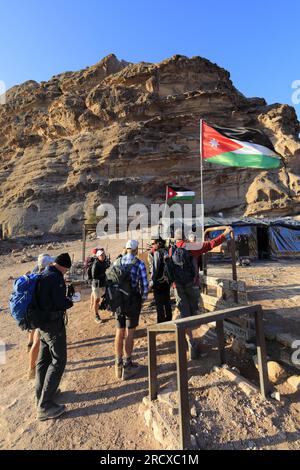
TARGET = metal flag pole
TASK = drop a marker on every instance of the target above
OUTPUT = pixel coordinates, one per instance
(164, 212)
(201, 178)
(201, 162)
(166, 202)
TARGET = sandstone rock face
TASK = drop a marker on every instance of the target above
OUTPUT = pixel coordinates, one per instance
(116, 128)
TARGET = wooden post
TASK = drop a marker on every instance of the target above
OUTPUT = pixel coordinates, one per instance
(152, 365)
(261, 354)
(83, 242)
(221, 341)
(183, 392)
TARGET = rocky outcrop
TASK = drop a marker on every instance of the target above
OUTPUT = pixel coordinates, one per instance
(85, 137)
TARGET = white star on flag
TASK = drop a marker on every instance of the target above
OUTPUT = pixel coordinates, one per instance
(214, 143)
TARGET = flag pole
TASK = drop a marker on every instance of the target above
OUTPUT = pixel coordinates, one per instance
(201, 162)
(164, 212)
(201, 178)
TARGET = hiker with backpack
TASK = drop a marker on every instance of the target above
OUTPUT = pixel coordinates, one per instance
(159, 280)
(50, 304)
(98, 277)
(43, 261)
(88, 263)
(127, 289)
(181, 270)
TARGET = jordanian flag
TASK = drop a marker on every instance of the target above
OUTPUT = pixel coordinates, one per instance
(238, 147)
(179, 194)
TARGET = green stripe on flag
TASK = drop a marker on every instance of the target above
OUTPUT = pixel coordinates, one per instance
(244, 160)
(181, 198)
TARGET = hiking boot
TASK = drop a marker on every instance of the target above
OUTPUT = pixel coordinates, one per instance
(129, 370)
(118, 369)
(31, 374)
(98, 319)
(53, 412)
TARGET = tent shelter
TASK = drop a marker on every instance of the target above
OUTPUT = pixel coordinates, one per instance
(284, 237)
(256, 237)
(265, 237)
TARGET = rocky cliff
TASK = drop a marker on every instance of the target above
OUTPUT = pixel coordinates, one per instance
(119, 128)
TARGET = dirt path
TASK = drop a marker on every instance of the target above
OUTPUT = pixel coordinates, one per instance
(103, 413)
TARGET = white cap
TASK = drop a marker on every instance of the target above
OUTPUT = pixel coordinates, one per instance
(100, 252)
(192, 237)
(178, 235)
(132, 244)
(44, 261)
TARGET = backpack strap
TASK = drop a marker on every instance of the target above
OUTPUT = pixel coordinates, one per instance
(130, 265)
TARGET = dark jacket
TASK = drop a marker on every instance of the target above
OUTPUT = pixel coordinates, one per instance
(156, 262)
(51, 291)
(98, 272)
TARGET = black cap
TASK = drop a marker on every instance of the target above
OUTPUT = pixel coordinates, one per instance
(64, 260)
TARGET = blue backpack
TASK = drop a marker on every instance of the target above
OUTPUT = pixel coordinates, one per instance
(21, 298)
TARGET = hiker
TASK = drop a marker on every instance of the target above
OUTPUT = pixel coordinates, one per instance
(197, 261)
(181, 269)
(52, 304)
(159, 281)
(127, 290)
(43, 261)
(88, 263)
(99, 267)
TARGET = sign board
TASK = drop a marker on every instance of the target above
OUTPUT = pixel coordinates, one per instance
(237, 331)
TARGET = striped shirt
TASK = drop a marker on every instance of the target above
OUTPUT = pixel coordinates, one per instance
(138, 274)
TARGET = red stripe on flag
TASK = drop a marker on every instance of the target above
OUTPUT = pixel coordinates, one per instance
(171, 193)
(215, 143)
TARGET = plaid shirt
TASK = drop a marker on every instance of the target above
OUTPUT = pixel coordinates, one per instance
(138, 274)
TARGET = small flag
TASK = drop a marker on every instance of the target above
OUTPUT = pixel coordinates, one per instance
(175, 193)
(240, 147)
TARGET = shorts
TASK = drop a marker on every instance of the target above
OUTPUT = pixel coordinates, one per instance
(131, 318)
(97, 291)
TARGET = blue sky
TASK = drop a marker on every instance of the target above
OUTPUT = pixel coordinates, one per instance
(257, 41)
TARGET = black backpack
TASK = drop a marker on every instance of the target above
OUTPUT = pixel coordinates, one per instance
(180, 267)
(88, 264)
(162, 272)
(118, 285)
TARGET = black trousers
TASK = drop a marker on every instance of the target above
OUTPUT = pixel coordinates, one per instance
(163, 303)
(51, 362)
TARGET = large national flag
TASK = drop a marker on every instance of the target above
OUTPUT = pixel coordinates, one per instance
(175, 193)
(239, 147)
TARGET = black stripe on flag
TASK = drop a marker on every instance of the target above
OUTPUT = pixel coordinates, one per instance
(178, 188)
(245, 134)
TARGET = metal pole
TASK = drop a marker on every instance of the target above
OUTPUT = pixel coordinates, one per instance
(233, 261)
(83, 243)
(261, 354)
(164, 212)
(201, 163)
